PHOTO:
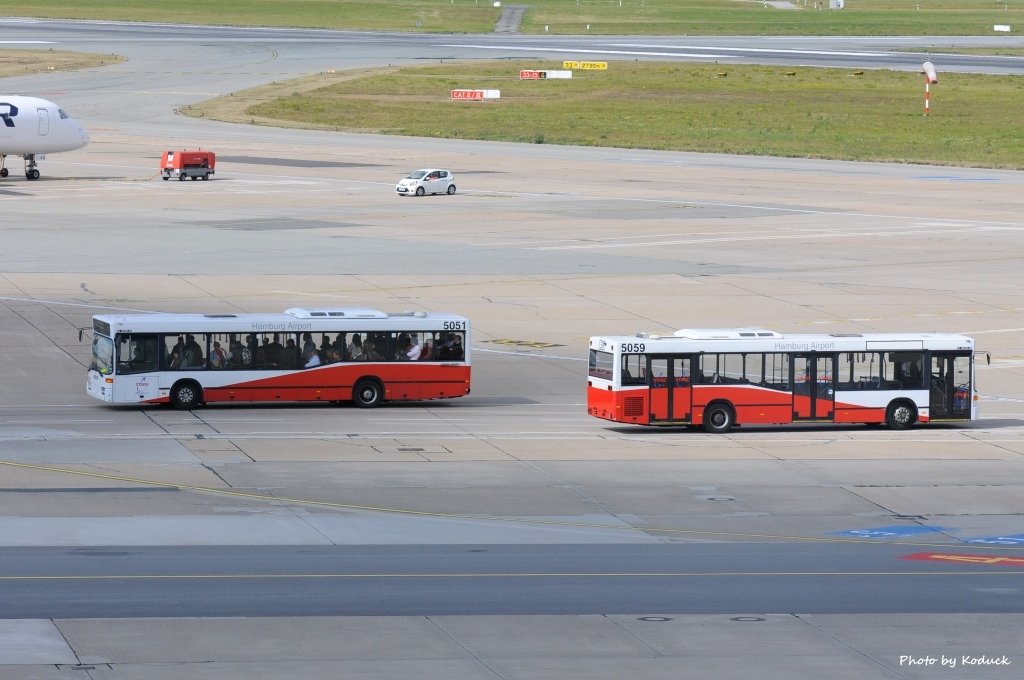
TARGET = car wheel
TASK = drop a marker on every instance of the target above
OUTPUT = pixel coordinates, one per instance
(451, 189)
(420, 191)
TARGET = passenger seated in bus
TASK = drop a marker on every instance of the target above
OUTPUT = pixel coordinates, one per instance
(310, 358)
(400, 346)
(427, 351)
(289, 355)
(325, 346)
(262, 355)
(408, 348)
(452, 348)
(307, 344)
(193, 356)
(339, 345)
(177, 353)
(370, 352)
(237, 354)
(218, 358)
(354, 351)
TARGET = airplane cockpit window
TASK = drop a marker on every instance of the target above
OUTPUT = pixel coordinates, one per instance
(62, 114)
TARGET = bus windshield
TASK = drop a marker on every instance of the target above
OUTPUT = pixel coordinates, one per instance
(102, 355)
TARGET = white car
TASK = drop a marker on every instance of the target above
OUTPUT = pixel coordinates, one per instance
(430, 181)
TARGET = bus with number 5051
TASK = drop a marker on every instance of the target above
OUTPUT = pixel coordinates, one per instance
(722, 378)
(355, 355)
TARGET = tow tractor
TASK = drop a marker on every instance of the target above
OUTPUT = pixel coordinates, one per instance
(185, 164)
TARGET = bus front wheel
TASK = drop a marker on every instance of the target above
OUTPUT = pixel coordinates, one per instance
(367, 393)
(900, 415)
(185, 395)
(718, 418)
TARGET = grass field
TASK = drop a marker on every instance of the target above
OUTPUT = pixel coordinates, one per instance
(818, 113)
(25, 62)
(603, 17)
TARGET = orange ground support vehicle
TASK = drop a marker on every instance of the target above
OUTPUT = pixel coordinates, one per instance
(185, 164)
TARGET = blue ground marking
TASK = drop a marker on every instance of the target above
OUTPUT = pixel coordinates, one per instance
(888, 532)
(1012, 539)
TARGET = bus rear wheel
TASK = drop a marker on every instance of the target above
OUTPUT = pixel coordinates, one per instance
(185, 395)
(900, 415)
(718, 418)
(367, 393)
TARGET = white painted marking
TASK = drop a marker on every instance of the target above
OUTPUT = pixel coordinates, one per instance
(527, 354)
(578, 51)
(759, 50)
(76, 304)
(295, 292)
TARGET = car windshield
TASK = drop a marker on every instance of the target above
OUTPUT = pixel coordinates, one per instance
(419, 174)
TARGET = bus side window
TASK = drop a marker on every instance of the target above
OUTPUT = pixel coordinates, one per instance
(633, 369)
(137, 354)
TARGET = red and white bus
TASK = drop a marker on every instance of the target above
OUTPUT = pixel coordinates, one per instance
(360, 355)
(719, 378)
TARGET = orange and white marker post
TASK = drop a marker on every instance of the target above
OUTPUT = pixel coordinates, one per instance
(929, 79)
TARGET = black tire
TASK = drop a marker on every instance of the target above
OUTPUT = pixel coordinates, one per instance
(420, 191)
(206, 177)
(32, 174)
(900, 415)
(451, 189)
(182, 178)
(719, 418)
(165, 178)
(4, 172)
(367, 393)
(186, 395)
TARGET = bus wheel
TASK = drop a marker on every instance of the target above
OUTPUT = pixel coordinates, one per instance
(185, 395)
(718, 418)
(367, 393)
(900, 415)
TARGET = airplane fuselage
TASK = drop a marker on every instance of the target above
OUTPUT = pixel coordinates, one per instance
(31, 126)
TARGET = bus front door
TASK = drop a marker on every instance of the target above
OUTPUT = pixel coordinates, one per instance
(813, 389)
(669, 380)
(950, 392)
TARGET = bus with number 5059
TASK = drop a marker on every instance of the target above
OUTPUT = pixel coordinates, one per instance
(331, 355)
(721, 378)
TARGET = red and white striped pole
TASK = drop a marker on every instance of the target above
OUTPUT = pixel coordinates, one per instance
(929, 79)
